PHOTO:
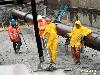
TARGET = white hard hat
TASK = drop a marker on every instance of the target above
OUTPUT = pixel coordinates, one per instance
(39, 17)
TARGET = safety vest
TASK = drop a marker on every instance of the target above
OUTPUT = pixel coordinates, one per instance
(41, 26)
(14, 34)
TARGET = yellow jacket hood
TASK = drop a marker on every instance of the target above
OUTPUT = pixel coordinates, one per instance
(78, 22)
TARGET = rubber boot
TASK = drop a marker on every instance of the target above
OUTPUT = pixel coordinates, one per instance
(40, 66)
(51, 68)
(41, 62)
(41, 59)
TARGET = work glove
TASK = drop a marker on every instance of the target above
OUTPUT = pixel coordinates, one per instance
(67, 35)
(83, 37)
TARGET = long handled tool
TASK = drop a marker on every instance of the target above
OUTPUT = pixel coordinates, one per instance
(24, 41)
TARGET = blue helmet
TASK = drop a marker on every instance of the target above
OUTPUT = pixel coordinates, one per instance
(13, 22)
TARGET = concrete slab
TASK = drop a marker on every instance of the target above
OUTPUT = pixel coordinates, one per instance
(21, 69)
(17, 69)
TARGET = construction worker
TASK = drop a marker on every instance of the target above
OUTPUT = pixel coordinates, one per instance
(78, 33)
(14, 34)
(52, 42)
(41, 26)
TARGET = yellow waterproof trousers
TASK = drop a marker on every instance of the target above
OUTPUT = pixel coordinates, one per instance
(52, 46)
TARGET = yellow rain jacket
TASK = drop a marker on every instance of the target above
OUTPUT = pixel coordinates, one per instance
(77, 33)
(52, 42)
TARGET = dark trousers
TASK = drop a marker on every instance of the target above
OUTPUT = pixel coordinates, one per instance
(43, 43)
(16, 45)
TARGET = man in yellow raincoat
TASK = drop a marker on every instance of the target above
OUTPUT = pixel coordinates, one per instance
(52, 41)
(77, 34)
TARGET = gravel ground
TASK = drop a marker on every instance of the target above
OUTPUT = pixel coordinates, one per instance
(90, 59)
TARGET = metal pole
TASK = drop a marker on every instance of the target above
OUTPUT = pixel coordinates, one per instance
(39, 45)
(25, 43)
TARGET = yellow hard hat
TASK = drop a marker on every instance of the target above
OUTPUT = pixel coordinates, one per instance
(78, 22)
